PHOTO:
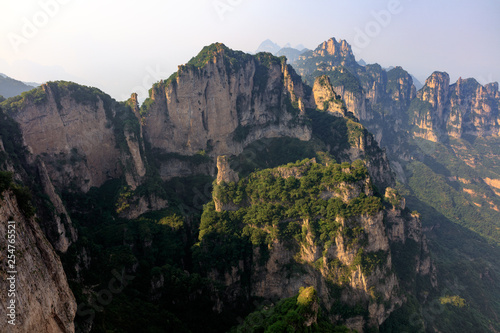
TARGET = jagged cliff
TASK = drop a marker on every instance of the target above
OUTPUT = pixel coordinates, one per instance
(43, 300)
(376, 96)
(83, 136)
(441, 141)
(457, 110)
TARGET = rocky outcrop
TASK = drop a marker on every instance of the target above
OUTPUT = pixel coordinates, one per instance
(224, 172)
(330, 53)
(325, 98)
(43, 302)
(474, 109)
(223, 100)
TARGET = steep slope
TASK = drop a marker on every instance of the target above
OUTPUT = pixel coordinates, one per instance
(83, 136)
(42, 299)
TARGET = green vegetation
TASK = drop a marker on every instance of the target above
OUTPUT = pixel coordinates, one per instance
(439, 188)
(233, 60)
(290, 315)
(153, 247)
(464, 198)
(273, 207)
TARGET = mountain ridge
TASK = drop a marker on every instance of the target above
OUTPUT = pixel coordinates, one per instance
(128, 200)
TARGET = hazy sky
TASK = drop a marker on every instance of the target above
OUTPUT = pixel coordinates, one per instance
(125, 46)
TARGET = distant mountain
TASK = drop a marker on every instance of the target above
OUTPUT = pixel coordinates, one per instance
(290, 53)
(416, 83)
(300, 47)
(361, 62)
(10, 87)
(268, 46)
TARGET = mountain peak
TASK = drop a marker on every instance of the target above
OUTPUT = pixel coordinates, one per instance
(268, 46)
(340, 50)
(208, 53)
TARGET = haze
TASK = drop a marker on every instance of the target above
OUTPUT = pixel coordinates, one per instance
(126, 46)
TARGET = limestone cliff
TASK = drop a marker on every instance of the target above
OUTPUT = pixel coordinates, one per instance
(56, 223)
(79, 133)
(325, 98)
(44, 301)
(474, 109)
(221, 101)
(463, 108)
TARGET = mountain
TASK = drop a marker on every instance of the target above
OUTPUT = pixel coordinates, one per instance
(242, 197)
(268, 46)
(10, 87)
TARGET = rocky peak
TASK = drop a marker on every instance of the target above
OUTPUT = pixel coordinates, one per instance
(436, 91)
(400, 87)
(340, 49)
(492, 88)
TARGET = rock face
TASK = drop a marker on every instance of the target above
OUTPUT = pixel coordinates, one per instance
(58, 226)
(221, 101)
(335, 53)
(74, 139)
(44, 302)
(463, 108)
(325, 98)
(473, 109)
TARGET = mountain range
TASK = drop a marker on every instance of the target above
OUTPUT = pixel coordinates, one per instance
(247, 194)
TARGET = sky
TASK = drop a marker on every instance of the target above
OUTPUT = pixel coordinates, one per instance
(125, 46)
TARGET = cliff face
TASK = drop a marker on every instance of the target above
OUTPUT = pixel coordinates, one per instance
(474, 109)
(73, 129)
(463, 108)
(44, 302)
(325, 98)
(221, 101)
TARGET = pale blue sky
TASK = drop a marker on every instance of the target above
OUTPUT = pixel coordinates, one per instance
(125, 46)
